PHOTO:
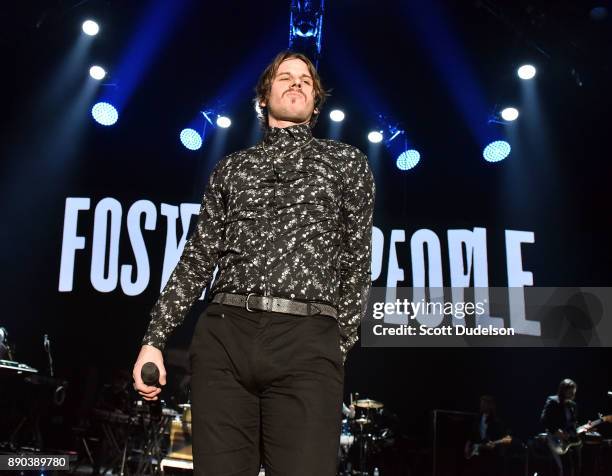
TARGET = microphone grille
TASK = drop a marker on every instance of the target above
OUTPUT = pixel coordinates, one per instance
(149, 373)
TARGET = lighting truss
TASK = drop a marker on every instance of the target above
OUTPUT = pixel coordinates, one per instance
(305, 28)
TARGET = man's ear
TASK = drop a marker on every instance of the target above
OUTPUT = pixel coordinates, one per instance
(262, 103)
(316, 111)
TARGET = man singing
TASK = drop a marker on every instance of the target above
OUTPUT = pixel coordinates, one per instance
(289, 224)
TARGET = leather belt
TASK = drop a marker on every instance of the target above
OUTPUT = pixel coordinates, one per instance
(252, 302)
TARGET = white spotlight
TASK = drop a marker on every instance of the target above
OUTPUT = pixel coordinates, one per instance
(510, 114)
(224, 122)
(526, 71)
(336, 115)
(90, 28)
(97, 72)
(375, 137)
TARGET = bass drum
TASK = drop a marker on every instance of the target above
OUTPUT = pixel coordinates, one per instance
(346, 437)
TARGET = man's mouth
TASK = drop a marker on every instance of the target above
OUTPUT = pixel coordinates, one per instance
(294, 92)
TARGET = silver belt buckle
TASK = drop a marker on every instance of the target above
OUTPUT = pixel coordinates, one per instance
(246, 304)
(310, 306)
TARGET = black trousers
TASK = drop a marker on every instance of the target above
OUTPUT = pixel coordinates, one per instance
(266, 388)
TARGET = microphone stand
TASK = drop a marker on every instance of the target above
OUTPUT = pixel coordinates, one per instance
(47, 345)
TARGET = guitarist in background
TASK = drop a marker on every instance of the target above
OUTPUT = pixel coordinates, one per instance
(486, 447)
(559, 420)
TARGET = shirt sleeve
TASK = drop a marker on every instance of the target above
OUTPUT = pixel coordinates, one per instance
(546, 417)
(194, 269)
(356, 252)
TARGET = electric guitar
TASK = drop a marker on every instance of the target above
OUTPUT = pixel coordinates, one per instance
(561, 442)
(473, 449)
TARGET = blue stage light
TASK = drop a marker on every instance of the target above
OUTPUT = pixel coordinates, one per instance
(336, 115)
(526, 71)
(375, 137)
(224, 122)
(408, 159)
(510, 114)
(104, 113)
(97, 72)
(191, 139)
(90, 28)
(496, 151)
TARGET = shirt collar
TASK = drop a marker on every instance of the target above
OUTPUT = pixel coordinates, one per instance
(287, 135)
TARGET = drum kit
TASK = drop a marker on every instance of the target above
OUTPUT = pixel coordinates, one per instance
(362, 436)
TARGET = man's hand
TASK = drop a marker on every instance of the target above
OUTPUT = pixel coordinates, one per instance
(149, 353)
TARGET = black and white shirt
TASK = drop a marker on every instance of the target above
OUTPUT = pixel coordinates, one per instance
(289, 217)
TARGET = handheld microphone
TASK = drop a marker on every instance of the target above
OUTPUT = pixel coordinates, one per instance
(149, 373)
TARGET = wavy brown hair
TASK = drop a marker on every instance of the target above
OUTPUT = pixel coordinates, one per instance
(264, 85)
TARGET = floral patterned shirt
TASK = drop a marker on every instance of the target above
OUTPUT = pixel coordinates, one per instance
(289, 217)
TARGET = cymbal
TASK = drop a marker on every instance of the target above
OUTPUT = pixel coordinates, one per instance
(362, 421)
(169, 412)
(368, 403)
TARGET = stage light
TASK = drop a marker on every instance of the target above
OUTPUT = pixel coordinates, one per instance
(336, 115)
(526, 71)
(97, 72)
(305, 27)
(375, 137)
(90, 28)
(510, 114)
(408, 159)
(496, 151)
(224, 122)
(191, 139)
(104, 113)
